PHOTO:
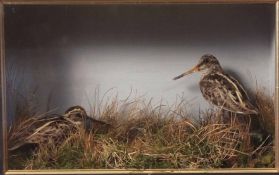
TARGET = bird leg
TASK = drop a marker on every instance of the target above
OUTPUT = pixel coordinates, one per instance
(219, 115)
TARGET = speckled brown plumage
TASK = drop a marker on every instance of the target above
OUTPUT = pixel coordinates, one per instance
(54, 128)
(221, 89)
(78, 115)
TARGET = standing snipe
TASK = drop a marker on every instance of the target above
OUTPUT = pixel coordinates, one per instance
(219, 88)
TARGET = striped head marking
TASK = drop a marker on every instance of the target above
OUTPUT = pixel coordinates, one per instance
(206, 62)
(75, 112)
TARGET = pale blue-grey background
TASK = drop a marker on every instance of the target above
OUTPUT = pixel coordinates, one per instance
(66, 52)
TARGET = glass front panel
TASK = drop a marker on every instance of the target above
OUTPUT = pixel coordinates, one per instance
(140, 86)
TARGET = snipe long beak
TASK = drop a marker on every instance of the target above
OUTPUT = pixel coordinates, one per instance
(194, 69)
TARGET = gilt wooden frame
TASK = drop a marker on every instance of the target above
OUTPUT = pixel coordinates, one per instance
(3, 126)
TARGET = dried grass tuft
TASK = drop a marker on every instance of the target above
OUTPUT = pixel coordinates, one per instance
(154, 136)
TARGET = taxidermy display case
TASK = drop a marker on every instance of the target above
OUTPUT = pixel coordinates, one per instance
(128, 87)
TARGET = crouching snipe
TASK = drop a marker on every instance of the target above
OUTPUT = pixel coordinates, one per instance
(219, 88)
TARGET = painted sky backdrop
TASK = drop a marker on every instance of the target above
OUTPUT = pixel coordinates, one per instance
(66, 52)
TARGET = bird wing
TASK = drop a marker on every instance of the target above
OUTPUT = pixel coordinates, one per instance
(225, 92)
(239, 86)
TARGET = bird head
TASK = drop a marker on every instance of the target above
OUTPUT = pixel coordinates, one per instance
(207, 62)
(75, 113)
